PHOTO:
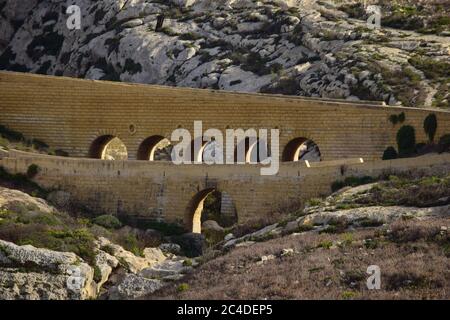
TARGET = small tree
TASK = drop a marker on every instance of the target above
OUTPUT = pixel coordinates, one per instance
(390, 153)
(444, 143)
(406, 141)
(430, 126)
(32, 171)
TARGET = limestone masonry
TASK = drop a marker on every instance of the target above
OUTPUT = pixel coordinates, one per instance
(72, 114)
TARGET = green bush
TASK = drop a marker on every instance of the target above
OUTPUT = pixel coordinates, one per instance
(390, 153)
(190, 36)
(183, 287)
(432, 68)
(131, 244)
(326, 244)
(108, 221)
(168, 31)
(430, 126)
(132, 67)
(167, 229)
(78, 241)
(304, 228)
(97, 274)
(397, 118)
(11, 135)
(393, 119)
(406, 141)
(444, 143)
(32, 171)
(187, 263)
(367, 223)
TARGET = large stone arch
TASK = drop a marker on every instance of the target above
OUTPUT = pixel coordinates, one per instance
(99, 145)
(192, 219)
(193, 213)
(292, 150)
(148, 146)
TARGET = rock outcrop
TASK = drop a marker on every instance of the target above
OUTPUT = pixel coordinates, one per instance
(295, 47)
(30, 273)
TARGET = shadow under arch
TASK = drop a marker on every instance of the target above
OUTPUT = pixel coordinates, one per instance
(196, 210)
(253, 150)
(301, 148)
(98, 148)
(148, 147)
(193, 215)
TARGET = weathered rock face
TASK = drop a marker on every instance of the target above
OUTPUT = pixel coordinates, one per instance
(48, 275)
(293, 47)
(31, 273)
(192, 244)
(105, 263)
(18, 201)
(133, 287)
(134, 263)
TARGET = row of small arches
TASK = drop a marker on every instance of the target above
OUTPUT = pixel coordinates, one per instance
(159, 148)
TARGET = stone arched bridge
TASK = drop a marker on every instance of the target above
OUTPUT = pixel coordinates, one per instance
(80, 116)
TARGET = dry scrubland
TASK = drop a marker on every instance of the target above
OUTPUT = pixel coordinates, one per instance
(412, 250)
(319, 251)
(413, 257)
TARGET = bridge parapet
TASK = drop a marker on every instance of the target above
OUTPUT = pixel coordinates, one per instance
(164, 191)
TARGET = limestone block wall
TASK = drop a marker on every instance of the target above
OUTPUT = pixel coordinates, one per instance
(70, 114)
(164, 191)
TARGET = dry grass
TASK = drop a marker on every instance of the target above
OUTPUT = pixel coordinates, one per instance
(412, 255)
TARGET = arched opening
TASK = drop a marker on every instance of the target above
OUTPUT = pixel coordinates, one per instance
(255, 151)
(211, 150)
(210, 204)
(155, 148)
(108, 147)
(208, 152)
(300, 149)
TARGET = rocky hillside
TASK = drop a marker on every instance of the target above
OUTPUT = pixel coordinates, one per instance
(297, 47)
(323, 251)
(47, 254)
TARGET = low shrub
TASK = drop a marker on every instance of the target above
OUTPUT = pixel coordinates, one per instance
(444, 143)
(432, 68)
(190, 36)
(390, 153)
(326, 244)
(107, 221)
(183, 287)
(131, 244)
(32, 171)
(406, 141)
(430, 126)
(11, 134)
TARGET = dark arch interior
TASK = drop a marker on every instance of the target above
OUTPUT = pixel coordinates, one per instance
(207, 205)
(99, 145)
(147, 147)
(194, 210)
(292, 153)
(219, 207)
